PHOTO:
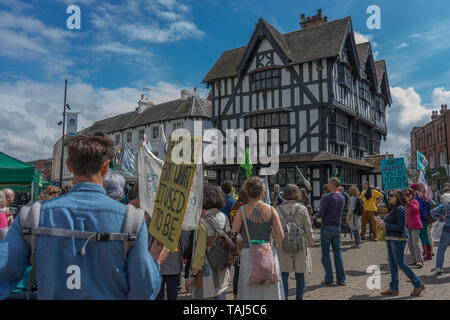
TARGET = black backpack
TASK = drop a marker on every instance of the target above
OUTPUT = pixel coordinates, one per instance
(359, 207)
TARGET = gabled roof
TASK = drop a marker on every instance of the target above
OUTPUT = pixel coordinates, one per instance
(322, 41)
(364, 51)
(380, 67)
(175, 109)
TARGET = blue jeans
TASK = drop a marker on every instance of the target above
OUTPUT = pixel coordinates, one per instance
(299, 285)
(443, 243)
(396, 257)
(331, 235)
(171, 282)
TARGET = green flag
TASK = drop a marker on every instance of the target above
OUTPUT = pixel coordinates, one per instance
(340, 178)
(112, 164)
(247, 164)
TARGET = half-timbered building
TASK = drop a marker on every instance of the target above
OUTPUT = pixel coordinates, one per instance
(324, 92)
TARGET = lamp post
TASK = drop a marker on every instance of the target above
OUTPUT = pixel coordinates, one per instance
(63, 133)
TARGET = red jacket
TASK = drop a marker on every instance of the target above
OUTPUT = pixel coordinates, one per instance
(413, 215)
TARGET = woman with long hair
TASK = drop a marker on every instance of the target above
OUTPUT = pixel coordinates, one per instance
(353, 219)
(425, 233)
(369, 196)
(260, 219)
(396, 238)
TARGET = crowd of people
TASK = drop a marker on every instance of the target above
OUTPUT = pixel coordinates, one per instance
(273, 240)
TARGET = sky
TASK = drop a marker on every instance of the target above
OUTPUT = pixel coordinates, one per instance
(169, 45)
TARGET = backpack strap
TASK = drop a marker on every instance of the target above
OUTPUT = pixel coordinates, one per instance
(29, 218)
(131, 226)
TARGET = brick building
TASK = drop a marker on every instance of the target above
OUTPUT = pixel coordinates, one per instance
(432, 141)
(44, 166)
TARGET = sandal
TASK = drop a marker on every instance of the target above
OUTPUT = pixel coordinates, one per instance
(342, 284)
(329, 284)
(419, 265)
(412, 263)
(390, 292)
(416, 292)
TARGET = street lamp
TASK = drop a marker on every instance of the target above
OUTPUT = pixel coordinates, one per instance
(63, 133)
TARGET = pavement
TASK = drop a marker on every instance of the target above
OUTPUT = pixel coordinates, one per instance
(356, 262)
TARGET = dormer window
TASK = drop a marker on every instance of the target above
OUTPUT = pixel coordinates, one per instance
(265, 80)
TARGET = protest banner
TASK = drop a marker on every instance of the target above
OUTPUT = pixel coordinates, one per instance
(128, 162)
(394, 174)
(150, 168)
(172, 196)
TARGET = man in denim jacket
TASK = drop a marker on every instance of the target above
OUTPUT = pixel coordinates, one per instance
(104, 272)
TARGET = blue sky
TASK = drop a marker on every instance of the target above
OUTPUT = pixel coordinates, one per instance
(168, 45)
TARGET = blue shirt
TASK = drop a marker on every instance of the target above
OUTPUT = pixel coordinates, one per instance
(395, 223)
(105, 272)
(229, 201)
(331, 208)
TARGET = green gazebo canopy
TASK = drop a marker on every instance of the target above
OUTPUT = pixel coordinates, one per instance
(19, 175)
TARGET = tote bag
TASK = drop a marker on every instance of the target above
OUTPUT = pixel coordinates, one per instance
(262, 262)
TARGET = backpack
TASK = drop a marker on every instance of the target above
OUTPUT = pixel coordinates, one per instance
(226, 249)
(359, 207)
(294, 240)
(29, 221)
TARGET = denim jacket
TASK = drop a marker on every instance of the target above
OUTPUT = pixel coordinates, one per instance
(395, 224)
(61, 273)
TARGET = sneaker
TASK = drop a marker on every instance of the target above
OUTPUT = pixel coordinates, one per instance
(439, 271)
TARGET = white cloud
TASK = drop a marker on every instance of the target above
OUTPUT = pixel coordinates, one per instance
(116, 47)
(31, 111)
(401, 46)
(153, 21)
(405, 112)
(440, 97)
(153, 33)
(361, 38)
(27, 38)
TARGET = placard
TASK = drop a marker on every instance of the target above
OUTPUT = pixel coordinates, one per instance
(175, 184)
(394, 174)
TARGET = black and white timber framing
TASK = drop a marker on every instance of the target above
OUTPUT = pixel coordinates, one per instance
(329, 103)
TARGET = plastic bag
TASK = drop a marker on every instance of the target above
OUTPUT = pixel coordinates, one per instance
(437, 230)
(381, 232)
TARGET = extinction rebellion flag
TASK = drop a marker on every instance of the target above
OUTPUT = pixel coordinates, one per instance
(422, 162)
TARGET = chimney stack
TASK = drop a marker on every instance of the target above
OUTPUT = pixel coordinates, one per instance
(315, 20)
(434, 115)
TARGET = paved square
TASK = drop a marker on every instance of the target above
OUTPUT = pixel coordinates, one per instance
(356, 262)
